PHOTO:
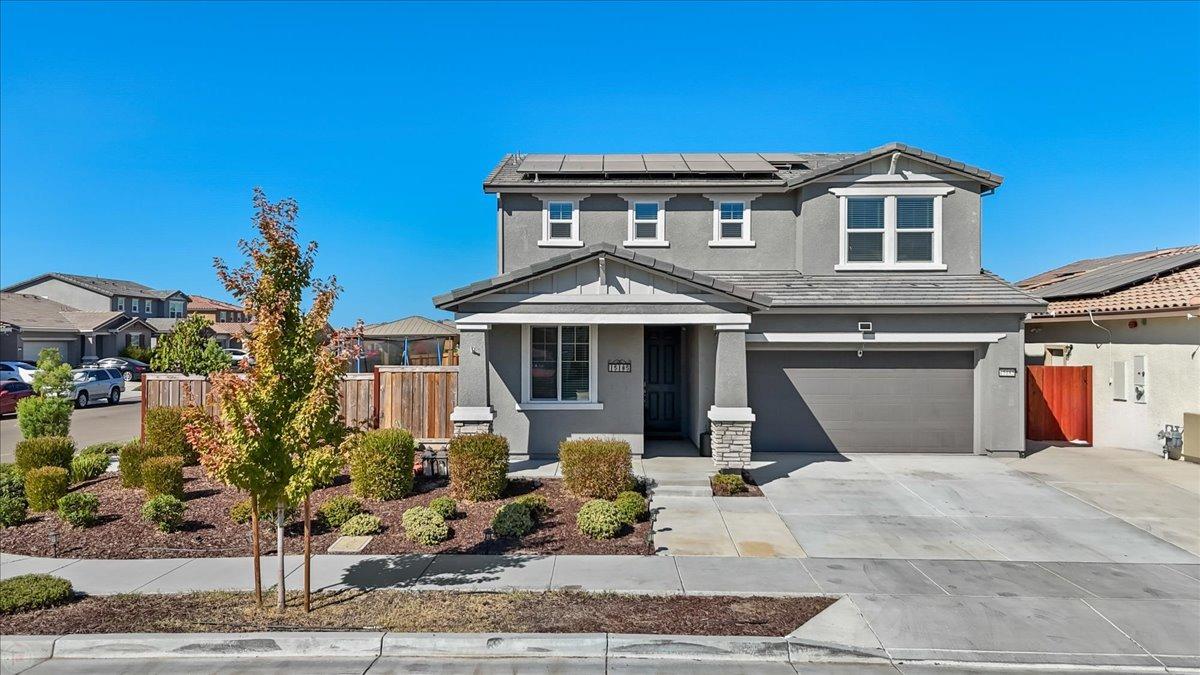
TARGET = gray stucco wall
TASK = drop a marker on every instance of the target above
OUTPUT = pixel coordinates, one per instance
(68, 294)
(538, 432)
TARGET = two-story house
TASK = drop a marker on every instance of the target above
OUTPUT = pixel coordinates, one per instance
(780, 302)
(148, 312)
(229, 323)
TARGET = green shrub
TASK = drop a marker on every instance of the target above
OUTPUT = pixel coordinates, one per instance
(13, 510)
(79, 509)
(44, 487)
(425, 526)
(44, 416)
(33, 591)
(381, 464)
(596, 468)
(87, 467)
(137, 353)
(631, 507)
(478, 466)
(34, 453)
(336, 510)
(164, 430)
(729, 483)
(165, 511)
(512, 520)
(362, 525)
(538, 506)
(240, 512)
(446, 507)
(163, 476)
(599, 519)
(11, 482)
(133, 455)
(107, 449)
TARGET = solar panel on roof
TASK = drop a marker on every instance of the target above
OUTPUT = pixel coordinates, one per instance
(747, 162)
(707, 162)
(624, 163)
(665, 163)
(583, 164)
(534, 163)
(1116, 276)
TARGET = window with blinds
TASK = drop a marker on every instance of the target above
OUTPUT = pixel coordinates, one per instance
(560, 363)
(732, 220)
(645, 220)
(865, 225)
(562, 216)
(543, 363)
(914, 229)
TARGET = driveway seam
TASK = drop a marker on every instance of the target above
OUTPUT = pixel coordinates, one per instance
(1094, 595)
(922, 573)
(1119, 629)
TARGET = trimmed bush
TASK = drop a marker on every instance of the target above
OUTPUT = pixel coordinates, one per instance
(381, 464)
(163, 476)
(539, 506)
(596, 468)
(445, 507)
(598, 519)
(44, 487)
(729, 483)
(425, 526)
(335, 511)
(87, 467)
(107, 449)
(362, 525)
(631, 507)
(240, 512)
(133, 455)
(33, 591)
(11, 482)
(165, 511)
(79, 509)
(164, 431)
(13, 510)
(512, 520)
(34, 453)
(478, 466)
(39, 416)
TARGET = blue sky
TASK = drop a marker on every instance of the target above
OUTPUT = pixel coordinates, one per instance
(131, 134)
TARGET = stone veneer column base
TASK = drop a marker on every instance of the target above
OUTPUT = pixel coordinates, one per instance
(731, 444)
(467, 428)
(468, 420)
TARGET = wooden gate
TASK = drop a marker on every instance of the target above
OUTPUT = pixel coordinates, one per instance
(417, 398)
(1058, 403)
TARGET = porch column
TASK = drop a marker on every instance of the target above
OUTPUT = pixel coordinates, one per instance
(473, 414)
(730, 416)
(89, 346)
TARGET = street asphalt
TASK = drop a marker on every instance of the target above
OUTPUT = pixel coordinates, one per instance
(97, 423)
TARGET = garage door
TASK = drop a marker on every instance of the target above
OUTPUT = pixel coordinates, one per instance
(832, 401)
(31, 348)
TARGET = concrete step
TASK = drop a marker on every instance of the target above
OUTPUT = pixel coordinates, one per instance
(682, 491)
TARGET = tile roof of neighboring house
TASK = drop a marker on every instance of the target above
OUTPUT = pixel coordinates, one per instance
(591, 251)
(204, 303)
(907, 289)
(412, 326)
(787, 169)
(30, 312)
(1131, 282)
(228, 328)
(103, 286)
(162, 324)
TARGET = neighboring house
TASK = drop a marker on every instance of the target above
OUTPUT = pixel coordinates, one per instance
(413, 340)
(229, 322)
(150, 312)
(34, 323)
(785, 302)
(1135, 319)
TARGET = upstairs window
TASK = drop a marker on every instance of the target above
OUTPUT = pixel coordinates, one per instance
(560, 221)
(133, 306)
(864, 220)
(120, 303)
(731, 220)
(647, 220)
(891, 227)
(914, 229)
(560, 364)
(175, 309)
(562, 218)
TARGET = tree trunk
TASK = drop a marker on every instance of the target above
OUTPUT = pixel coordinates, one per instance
(280, 512)
(307, 554)
(256, 550)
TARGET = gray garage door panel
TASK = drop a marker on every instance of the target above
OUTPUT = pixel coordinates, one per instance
(825, 401)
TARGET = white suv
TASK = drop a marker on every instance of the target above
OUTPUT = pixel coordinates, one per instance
(95, 383)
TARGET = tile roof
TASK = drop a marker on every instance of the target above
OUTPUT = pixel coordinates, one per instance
(203, 303)
(228, 328)
(789, 288)
(30, 312)
(412, 326)
(1131, 282)
(162, 324)
(102, 285)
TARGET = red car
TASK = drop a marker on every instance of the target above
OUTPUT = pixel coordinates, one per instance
(11, 392)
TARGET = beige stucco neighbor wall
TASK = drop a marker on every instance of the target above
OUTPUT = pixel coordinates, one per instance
(1171, 346)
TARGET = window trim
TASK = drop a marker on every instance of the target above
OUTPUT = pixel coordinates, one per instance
(890, 230)
(526, 402)
(135, 305)
(546, 241)
(660, 238)
(171, 305)
(746, 240)
(120, 303)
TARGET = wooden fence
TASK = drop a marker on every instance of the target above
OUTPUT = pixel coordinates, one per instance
(417, 398)
(1058, 403)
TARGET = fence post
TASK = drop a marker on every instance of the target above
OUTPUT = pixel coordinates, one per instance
(375, 397)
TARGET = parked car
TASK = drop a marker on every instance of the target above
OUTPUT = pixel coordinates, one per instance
(131, 369)
(94, 383)
(16, 370)
(239, 355)
(11, 392)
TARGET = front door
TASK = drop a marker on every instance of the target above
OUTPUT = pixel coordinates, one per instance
(663, 380)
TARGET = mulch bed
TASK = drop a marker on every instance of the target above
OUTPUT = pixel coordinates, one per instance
(209, 532)
(752, 489)
(554, 612)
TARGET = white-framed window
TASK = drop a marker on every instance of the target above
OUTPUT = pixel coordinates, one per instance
(175, 309)
(221, 316)
(134, 305)
(731, 220)
(558, 367)
(647, 221)
(560, 220)
(120, 303)
(884, 228)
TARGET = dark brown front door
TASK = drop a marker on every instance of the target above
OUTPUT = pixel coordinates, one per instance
(663, 380)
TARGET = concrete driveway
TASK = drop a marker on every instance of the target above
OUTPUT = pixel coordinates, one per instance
(97, 423)
(1059, 505)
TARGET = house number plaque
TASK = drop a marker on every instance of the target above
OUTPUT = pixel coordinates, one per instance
(620, 366)
(1008, 372)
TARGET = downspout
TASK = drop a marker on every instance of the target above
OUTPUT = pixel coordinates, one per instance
(499, 235)
(1093, 320)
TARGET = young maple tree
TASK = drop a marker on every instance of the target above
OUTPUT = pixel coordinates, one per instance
(190, 349)
(277, 434)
